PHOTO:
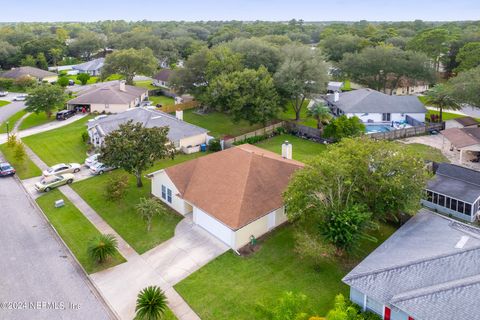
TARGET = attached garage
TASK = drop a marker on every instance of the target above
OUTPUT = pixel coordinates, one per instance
(213, 226)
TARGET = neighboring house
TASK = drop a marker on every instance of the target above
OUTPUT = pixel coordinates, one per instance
(235, 194)
(406, 87)
(372, 106)
(334, 86)
(110, 98)
(465, 141)
(454, 191)
(427, 270)
(161, 79)
(32, 72)
(182, 134)
(467, 122)
(92, 67)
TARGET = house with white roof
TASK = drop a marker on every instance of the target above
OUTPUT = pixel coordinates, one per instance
(92, 67)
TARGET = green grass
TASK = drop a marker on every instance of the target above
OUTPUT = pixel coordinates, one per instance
(219, 124)
(36, 119)
(302, 150)
(147, 84)
(60, 145)
(4, 103)
(289, 115)
(92, 80)
(25, 169)
(11, 121)
(426, 152)
(75, 230)
(114, 77)
(163, 100)
(231, 286)
(445, 115)
(122, 216)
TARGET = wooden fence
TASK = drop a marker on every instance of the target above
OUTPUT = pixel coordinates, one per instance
(408, 132)
(181, 106)
(266, 130)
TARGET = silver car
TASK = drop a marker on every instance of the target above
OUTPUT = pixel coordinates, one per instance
(91, 160)
(21, 97)
(62, 168)
(100, 168)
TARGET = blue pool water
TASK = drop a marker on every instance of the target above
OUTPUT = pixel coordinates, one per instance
(372, 128)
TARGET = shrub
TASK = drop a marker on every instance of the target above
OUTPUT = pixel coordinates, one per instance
(116, 187)
(83, 78)
(63, 81)
(290, 306)
(85, 136)
(214, 145)
(25, 82)
(6, 83)
(62, 73)
(12, 141)
(102, 247)
(151, 304)
(343, 127)
(19, 152)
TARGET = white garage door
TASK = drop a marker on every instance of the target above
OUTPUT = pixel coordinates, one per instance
(213, 226)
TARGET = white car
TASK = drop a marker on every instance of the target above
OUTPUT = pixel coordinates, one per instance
(21, 97)
(91, 160)
(3, 93)
(100, 168)
(62, 168)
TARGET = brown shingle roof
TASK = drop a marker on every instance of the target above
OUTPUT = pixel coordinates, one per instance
(467, 121)
(237, 185)
(462, 137)
(27, 71)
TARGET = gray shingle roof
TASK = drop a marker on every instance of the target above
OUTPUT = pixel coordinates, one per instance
(149, 118)
(457, 182)
(108, 94)
(92, 65)
(27, 71)
(371, 101)
(423, 265)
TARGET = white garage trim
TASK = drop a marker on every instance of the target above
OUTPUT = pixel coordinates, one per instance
(215, 227)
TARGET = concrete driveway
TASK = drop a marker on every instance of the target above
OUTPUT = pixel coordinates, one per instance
(189, 250)
(36, 269)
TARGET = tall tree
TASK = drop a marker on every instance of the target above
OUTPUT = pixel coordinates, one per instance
(257, 53)
(302, 74)
(468, 57)
(45, 98)
(86, 45)
(136, 148)
(336, 46)
(440, 97)
(465, 87)
(433, 42)
(248, 94)
(130, 62)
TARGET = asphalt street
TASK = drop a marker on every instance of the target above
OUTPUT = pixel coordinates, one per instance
(12, 108)
(39, 279)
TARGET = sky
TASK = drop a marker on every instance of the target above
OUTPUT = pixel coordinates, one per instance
(248, 10)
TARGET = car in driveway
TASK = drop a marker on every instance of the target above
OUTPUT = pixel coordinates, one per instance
(64, 114)
(6, 169)
(3, 93)
(21, 97)
(48, 183)
(100, 168)
(62, 168)
(91, 160)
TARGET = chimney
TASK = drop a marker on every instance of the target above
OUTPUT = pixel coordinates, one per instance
(336, 96)
(287, 150)
(179, 114)
(122, 86)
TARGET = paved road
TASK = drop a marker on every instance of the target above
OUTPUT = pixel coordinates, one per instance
(10, 109)
(471, 111)
(36, 268)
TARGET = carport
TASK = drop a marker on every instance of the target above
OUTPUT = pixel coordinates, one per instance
(465, 141)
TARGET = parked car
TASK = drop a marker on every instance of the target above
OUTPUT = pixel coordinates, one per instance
(71, 82)
(48, 183)
(3, 93)
(65, 114)
(6, 169)
(21, 97)
(62, 168)
(100, 168)
(91, 160)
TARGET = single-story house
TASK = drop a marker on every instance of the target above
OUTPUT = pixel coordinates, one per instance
(372, 106)
(161, 79)
(183, 135)
(92, 67)
(235, 194)
(32, 72)
(467, 122)
(465, 141)
(110, 98)
(455, 191)
(406, 87)
(427, 270)
(334, 86)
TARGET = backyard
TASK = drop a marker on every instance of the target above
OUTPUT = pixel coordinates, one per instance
(147, 84)
(60, 145)
(232, 286)
(302, 149)
(289, 115)
(163, 100)
(426, 152)
(75, 230)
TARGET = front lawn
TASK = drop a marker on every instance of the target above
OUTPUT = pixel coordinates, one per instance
(36, 119)
(163, 100)
(25, 169)
(11, 121)
(4, 103)
(75, 230)
(445, 115)
(302, 149)
(219, 124)
(60, 145)
(231, 286)
(121, 215)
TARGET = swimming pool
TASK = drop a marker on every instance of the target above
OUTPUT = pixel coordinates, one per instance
(374, 128)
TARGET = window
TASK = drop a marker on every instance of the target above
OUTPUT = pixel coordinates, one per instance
(468, 209)
(460, 206)
(385, 116)
(169, 196)
(429, 196)
(435, 198)
(441, 200)
(164, 192)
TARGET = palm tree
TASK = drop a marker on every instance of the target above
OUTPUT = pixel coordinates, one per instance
(440, 98)
(151, 304)
(321, 113)
(102, 247)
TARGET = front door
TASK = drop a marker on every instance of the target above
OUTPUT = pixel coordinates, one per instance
(387, 313)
